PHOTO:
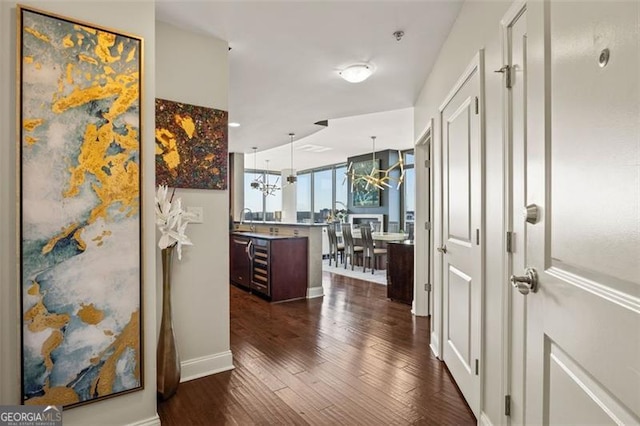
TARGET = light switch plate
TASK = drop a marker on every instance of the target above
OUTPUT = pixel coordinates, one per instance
(198, 214)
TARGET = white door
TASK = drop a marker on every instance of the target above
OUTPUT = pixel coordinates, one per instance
(462, 219)
(514, 29)
(583, 173)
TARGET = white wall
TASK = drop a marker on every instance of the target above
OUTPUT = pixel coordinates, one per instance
(477, 27)
(134, 17)
(194, 68)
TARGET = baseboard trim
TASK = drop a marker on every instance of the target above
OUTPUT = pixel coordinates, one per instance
(205, 366)
(151, 421)
(484, 420)
(434, 345)
(314, 292)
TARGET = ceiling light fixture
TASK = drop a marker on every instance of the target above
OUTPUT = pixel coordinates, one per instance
(376, 178)
(267, 188)
(234, 124)
(261, 181)
(256, 182)
(357, 73)
(291, 179)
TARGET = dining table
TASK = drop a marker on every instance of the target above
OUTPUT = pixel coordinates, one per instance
(379, 236)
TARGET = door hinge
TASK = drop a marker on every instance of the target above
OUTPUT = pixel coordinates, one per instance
(477, 366)
(506, 70)
(510, 242)
(507, 405)
(477, 237)
(427, 286)
(427, 163)
(477, 105)
(427, 226)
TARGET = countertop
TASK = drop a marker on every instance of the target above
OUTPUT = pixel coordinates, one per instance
(264, 236)
(302, 225)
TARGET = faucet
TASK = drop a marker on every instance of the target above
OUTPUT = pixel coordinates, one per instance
(252, 227)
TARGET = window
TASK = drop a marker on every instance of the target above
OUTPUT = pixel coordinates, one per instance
(322, 195)
(253, 198)
(318, 192)
(273, 203)
(303, 197)
(342, 188)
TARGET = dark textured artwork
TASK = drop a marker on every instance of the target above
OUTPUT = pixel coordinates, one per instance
(191, 146)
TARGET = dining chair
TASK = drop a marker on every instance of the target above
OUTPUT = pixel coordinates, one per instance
(410, 230)
(335, 247)
(393, 227)
(370, 251)
(351, 251)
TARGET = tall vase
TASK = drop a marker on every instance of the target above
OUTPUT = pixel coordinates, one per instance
(168, 373)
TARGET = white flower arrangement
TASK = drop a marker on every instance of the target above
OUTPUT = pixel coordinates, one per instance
(172, 221)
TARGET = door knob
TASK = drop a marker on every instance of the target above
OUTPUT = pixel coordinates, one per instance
(442, 249)
(531, 213)
(527, 283)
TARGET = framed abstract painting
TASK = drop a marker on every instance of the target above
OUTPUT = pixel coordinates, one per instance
(191, 146)
(79, 126)
(363, 195)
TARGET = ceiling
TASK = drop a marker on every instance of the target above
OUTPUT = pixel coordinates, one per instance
(284, 63)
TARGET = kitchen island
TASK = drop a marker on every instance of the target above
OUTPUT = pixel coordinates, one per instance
(273, 231)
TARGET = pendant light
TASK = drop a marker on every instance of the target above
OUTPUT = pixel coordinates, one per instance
(267, 188)
(255, 183)
(291, 179)
(377, 178)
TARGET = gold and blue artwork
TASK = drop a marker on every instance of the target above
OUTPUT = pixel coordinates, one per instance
(80, 233)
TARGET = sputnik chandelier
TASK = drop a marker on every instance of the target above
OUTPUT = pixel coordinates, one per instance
(261, 181)
(376, 178)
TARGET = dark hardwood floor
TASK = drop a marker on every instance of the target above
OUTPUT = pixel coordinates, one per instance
(350, 358)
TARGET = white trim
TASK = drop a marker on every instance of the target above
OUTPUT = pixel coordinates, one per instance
(435, 346)
(313, 292)
(151, 421)
(423, 239)
(425, 135)
(484, 420)
(515, 10)
(206, 365)
(616, 411)
(621, 299)
(513, 14)
(474, 66)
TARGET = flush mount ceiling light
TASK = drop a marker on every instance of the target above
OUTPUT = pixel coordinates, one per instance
(234, 124)
(357, 73)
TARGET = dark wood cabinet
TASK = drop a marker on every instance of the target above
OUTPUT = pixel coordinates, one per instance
(239, 261)
(273, 267)
(400, 267)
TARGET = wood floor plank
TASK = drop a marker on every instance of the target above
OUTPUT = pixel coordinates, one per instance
(350, 358)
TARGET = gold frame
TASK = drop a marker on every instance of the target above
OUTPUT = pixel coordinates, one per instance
(20, 9)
